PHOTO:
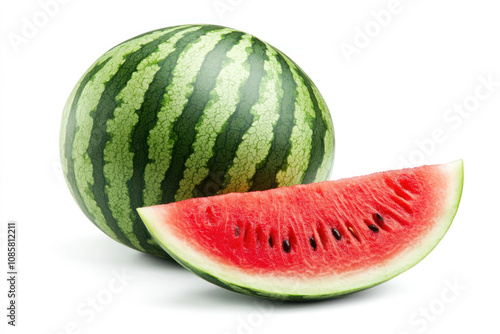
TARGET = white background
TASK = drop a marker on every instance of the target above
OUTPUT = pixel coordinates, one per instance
(393, 93)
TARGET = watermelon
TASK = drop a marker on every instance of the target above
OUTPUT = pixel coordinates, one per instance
(312, 241)
(189, 111)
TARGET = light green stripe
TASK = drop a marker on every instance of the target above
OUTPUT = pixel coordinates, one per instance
(64, 125)
(301, 137)
(84, 121)
(256, 142)
(223, 101)
(176, 97)
(324, 170)
(117, 154)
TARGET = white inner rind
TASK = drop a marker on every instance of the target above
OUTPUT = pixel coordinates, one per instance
(331, 285)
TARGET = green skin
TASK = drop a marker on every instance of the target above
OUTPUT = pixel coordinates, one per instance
(445, 220)
(189, 111)
(254, 292)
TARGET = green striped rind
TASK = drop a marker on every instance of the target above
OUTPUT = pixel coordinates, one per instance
(188, 111)
(67, 129)
(260, 293)
(161, 138)
(185, 125)
(122, 163)
(256, 141)
(327, 139)
(323, 139)
(223, 100)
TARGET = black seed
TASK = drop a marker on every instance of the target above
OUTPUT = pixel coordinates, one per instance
(379, 217)
(286, 246)
(270, 240)
(336, 234)
(312, 241)
(374, 228)
(237, 231)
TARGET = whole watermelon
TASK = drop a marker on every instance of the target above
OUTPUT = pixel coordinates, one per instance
(189, 111)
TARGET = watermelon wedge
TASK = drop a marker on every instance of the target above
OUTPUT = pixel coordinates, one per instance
(312, 241)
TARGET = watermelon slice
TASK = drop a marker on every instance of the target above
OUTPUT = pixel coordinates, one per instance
(312, 241)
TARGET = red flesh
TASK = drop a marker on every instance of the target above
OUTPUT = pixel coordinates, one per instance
(235, 228)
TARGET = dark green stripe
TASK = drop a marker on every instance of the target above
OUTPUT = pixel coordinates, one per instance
(148, 117)
(71, 130)
(319, 129)
(236, 126)
(99, 136)
(181, 27)
(184, 128)
(265, 175)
